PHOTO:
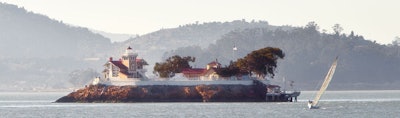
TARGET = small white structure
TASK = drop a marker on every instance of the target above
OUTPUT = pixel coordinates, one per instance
(96, 81)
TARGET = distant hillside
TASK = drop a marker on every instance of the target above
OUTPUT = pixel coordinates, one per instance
(362, 64)
(153, 45)
(39, 52)
(114, 37)
(27, 34)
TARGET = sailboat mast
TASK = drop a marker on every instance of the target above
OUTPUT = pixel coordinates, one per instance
(327, 80)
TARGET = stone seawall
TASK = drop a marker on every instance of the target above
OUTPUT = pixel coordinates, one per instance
(180, 83)
(169, 93)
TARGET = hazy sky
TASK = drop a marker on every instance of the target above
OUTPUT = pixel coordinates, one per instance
(374, 19)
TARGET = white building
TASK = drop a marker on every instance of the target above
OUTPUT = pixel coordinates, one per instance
(128, 67)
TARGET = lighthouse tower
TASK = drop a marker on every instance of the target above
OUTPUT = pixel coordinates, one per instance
(128, 67)
(129, 60)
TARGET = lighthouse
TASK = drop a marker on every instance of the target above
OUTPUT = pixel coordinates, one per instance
(128, 67)
(129, 60)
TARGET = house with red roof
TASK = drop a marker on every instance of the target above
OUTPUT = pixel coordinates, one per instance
(128, 67)
(207, 73)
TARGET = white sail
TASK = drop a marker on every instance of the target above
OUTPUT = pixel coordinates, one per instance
(327, 80)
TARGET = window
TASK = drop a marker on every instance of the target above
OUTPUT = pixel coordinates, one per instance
(115, 74)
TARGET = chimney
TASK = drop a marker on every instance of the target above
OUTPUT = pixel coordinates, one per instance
(111, 59)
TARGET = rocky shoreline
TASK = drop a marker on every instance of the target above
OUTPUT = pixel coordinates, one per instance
(168, 93)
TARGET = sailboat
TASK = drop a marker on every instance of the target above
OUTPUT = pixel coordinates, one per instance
(328, 78)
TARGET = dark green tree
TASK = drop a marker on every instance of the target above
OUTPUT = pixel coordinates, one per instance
(337, 29)
(262, 62)
(396, 41)
(174, 64)
(312, 26)
(228, 71)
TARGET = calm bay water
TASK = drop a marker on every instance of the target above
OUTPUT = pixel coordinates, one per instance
(343, 104)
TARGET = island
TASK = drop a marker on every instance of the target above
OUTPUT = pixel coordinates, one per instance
(124, 80)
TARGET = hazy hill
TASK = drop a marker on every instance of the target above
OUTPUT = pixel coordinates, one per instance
(39, 52)
(153, 45)
(114, 37)
(42, 53)
(362, 64)
(33, 35)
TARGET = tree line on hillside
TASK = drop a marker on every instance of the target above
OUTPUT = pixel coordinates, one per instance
(308, 53)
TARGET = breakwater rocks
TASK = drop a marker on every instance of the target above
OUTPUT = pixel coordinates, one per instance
(168, 93)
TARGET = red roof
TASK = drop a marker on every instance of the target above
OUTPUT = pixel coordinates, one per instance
(122, 68)
(141, 61)
(193, 71)
(119, 64)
